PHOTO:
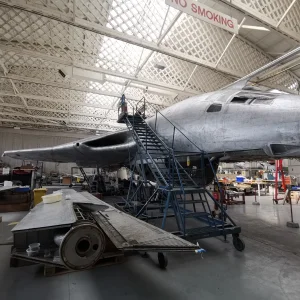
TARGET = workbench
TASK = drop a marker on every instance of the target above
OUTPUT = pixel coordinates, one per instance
(14, 198)
(7, 188)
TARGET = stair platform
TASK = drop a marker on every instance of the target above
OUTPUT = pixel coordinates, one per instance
(208, 231)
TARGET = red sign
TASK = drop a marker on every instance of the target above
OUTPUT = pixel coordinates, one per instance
(205, 13)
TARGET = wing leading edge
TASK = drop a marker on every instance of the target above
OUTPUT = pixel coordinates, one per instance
(106, 150)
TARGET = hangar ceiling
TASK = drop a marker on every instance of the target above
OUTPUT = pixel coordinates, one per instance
(65, 63)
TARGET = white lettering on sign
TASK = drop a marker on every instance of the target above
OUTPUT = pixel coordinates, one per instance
(205, 13)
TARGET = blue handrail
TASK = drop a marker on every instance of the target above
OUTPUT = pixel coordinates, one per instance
(202, 152)
(174, 129)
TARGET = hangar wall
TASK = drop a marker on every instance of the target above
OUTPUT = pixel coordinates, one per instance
(294, 168)
(11, 139)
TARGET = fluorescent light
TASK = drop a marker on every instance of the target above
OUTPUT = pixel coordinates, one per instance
(255, 27)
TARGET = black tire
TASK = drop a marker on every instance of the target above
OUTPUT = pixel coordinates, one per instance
(238, 244)
(162, 260)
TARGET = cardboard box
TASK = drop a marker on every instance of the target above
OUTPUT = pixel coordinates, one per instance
(66, 180)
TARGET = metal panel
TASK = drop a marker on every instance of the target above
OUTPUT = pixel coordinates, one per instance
(47, 215)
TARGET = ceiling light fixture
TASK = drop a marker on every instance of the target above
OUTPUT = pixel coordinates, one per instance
(255, 27)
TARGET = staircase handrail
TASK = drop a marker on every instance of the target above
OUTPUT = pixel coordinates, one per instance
(170, 150)
(150, 157)
(176, 128)
(200, 150)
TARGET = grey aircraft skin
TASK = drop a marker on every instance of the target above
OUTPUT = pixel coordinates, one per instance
(233, 124)
(246, 125)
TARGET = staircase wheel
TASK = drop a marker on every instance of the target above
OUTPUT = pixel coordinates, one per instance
(238, 244)
(162, 260)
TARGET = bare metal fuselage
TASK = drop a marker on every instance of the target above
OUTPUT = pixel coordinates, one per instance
(249, 130)
(239, 131)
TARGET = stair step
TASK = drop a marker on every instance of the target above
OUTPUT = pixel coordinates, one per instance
(154, 144)
(161, 152)
(146, 135)
(142, 129)
(149, 137)
(196, 214)
(143, 135)
(191, 201)
(158, 149)
(143, 132)
(193, 189)
(153, 147)
(151, 141)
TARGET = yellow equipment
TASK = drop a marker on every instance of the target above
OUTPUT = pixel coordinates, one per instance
(38, 193)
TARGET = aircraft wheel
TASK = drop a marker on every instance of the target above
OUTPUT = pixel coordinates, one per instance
(238, 243)
(162, 260)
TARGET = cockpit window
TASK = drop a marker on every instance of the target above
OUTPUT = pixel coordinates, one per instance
(215, 107)
(239, 100)
(253, 97)
(262, 101)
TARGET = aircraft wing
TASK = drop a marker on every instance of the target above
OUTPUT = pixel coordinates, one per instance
(122, 232)
(109, 149)
(118, 226)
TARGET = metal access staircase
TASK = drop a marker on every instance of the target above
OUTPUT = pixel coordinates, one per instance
(176, 192)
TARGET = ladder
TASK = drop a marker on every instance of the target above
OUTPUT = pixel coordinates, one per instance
(176, 193)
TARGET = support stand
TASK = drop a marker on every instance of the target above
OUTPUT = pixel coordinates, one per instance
(278, 169)
(292, 224)
(85, 178)
(255, 201)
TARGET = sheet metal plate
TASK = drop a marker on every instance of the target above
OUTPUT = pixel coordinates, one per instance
(128, 232)
(56, 214)
(48, 215)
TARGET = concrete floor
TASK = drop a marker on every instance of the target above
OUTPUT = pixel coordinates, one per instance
(269, 268)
